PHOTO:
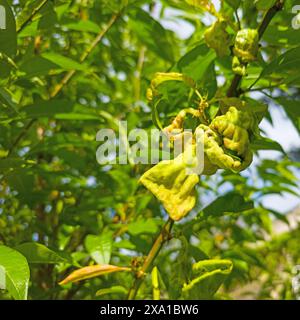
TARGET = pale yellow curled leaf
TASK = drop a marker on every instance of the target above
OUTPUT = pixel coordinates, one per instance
(217, 38)
(92, 272)
(226, 139)
(171, 184)
(246, 45)
(161, 77)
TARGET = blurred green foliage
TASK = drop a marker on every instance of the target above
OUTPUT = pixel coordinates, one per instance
(60, 210)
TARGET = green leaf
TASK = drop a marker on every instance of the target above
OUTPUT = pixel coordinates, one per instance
(112, 290)
(100, 247)
(143, 226)
(63, 62)
(279, 35)
(182, 269)
(292, 109)
(21, 180)
(37, 66)
(75, 116)
(209, 81)
(209, 276)
(152, 34)
(49, 17)
(83, 25)
(287, 62)
(230, 202)
(48, 108)
(28, 8)
(38, 253)
(234, 3)
(16, 272)
(264, 4)
(8, 34)
(6, 97)
(266, 144)
(13, 163)
(196, 62)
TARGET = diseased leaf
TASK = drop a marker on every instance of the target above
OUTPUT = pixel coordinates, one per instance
(208, 277)
(92, 272)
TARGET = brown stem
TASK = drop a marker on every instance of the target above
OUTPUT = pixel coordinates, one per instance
(154, 251)
(233, 89)
(33, 13)
(269, 16)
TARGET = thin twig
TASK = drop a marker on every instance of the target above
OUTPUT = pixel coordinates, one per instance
(154, 251)
(269, 16)
(138, 73)
(21, 136)
(250, 89)
(33, 13)
(233, 89)
(84, 56)
(238, 19)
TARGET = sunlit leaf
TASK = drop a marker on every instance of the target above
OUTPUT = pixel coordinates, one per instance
(38, 253)
(17, 273)
(92, 272)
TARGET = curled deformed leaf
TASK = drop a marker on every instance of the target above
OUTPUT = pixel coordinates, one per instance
(246, 45)
(217, 38)
(208, 277)
(161, 77)
(171, 184)
(112, 290)
(238, 67)
(226, 139)
(92, 272)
